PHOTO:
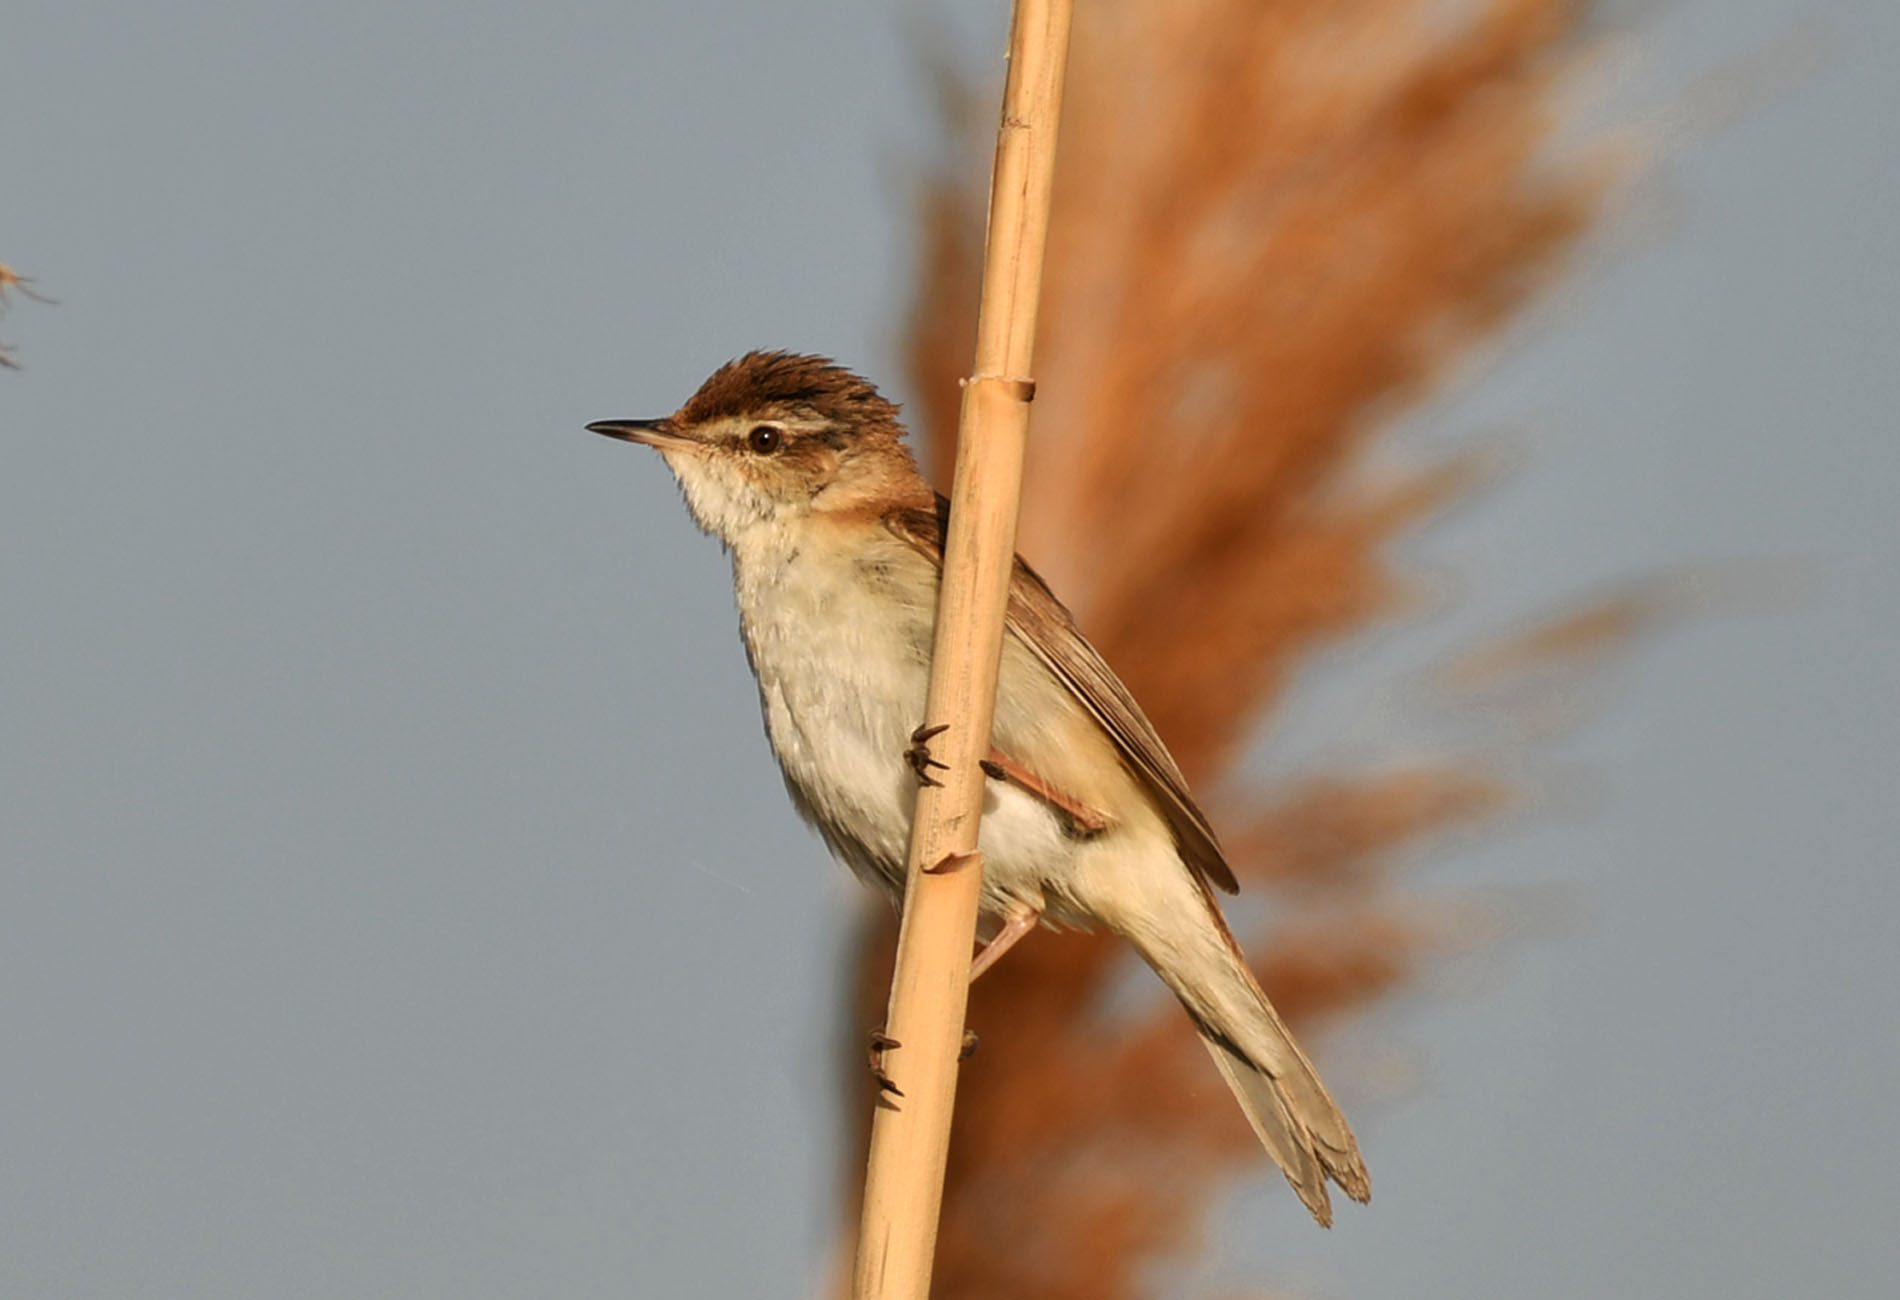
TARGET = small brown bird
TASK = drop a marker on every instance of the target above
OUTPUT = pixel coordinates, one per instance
(798, 466)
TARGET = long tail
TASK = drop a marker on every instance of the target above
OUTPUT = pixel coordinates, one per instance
(1294, 1116)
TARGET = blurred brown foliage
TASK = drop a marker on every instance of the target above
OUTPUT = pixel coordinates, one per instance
(1276, 223)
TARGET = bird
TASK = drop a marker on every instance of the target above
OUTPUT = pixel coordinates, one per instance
(798, 466)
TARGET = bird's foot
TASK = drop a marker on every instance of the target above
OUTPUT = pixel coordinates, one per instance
(881, 1043)
(919, 756)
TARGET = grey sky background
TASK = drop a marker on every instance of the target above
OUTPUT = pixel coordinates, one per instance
(396, 895)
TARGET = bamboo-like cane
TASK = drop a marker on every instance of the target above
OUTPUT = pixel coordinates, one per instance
(910, 1133)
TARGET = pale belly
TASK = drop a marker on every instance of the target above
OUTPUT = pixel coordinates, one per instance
(842, 669)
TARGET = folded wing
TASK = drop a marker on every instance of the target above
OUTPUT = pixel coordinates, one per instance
(1042, 623)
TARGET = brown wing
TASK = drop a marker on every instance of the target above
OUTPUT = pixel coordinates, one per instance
(1043, 624)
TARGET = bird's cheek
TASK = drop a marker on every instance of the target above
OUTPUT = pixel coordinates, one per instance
(721, 502)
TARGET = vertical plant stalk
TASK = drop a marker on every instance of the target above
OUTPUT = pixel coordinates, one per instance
(910, 1132)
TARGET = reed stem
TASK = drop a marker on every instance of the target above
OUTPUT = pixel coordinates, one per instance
(910, 1132)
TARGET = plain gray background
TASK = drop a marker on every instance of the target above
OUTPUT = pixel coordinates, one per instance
(398, 899)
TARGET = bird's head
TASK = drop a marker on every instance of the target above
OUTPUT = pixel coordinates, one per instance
(775, 436)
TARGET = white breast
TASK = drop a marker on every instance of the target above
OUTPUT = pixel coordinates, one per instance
(840, 645)
(841, 691)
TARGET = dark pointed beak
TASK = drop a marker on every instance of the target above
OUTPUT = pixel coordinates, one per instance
(651, 433)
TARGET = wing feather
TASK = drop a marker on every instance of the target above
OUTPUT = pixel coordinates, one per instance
(1044, 624)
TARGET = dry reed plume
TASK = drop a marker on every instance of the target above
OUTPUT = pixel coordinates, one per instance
(1275, 225)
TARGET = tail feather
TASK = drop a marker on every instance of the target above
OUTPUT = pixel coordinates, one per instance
(1290, 1110)
(1276, 1128)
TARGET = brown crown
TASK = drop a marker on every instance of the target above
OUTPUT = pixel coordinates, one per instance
(786, 382)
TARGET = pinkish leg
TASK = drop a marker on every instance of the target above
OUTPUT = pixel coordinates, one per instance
(1000, 767)
(1018, 925)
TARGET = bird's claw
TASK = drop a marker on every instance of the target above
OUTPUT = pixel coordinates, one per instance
(881, 1043)
(919, 756)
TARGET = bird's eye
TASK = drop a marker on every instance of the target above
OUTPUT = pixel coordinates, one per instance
(765, 438)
